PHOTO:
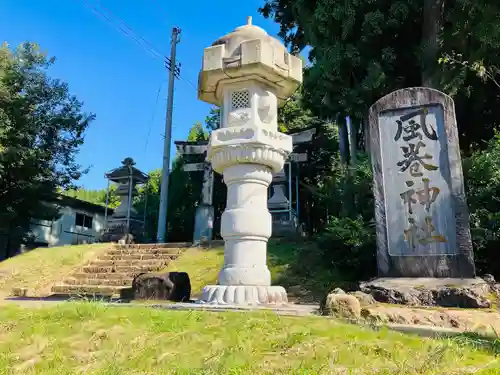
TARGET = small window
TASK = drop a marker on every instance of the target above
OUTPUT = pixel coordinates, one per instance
(87, 223)
(240, 100)
(82, 220)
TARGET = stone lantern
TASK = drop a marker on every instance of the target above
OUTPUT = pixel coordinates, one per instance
(248, 74)
(124, 224)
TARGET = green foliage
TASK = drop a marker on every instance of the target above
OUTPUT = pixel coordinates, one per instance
(482, 177)
(197, 133)
(363, 50)
(41, 129)
(212, 121)
(294, 116)
(183, 196)
(95, 196)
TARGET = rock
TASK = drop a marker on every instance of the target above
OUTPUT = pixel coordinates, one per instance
(171, 286)
(465, 293)
(342, 306)
(363, 298)
(337, 291)
(489, 278)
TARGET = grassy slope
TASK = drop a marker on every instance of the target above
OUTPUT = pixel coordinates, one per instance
(203, 266)
(39, 269)
(73, 338)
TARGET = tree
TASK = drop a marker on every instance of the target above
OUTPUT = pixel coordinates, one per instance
(212, 121)
(197, 133)
(183, 197)
(95, 196)
(41, 128)
(363, 50)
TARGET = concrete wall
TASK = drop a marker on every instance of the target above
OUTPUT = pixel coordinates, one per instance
(64, 231)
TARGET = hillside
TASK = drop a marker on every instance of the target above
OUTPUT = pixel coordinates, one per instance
(40, 268)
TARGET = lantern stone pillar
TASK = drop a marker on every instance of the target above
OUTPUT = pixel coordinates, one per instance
(248, 74)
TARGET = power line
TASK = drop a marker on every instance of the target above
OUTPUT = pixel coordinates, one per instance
(159, 7)
(149, 47)
(129, 28)
(153, 115)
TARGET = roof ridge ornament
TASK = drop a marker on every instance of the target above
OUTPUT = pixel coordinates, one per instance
(249, 20)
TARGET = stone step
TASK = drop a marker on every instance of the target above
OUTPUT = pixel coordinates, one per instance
(87, 290)
(93, 281)
(172, 245)
(133, 257)
(122, 269)
(143, 251)
(103, 275)
(160, 263)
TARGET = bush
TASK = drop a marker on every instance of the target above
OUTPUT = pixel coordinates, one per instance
(482, 182)
(349, 246)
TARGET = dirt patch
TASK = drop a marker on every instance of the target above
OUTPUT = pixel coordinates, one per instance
(481, 321)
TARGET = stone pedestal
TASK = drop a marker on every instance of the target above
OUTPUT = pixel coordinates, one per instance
(284, 220)
(278, 200)
(203, 223)
(246, 223)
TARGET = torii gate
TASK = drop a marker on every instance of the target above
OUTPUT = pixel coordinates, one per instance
(204, 217)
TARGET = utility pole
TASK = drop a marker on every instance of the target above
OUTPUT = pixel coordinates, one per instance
(174, 71)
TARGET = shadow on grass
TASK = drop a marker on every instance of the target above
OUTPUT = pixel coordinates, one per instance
(288, 262)
(490, 344)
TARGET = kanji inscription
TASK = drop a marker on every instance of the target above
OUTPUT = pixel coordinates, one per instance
(418, 205)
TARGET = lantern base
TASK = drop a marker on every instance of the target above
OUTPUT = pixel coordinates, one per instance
(244, 295)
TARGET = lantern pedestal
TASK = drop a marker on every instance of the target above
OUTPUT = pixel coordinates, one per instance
(246, 224)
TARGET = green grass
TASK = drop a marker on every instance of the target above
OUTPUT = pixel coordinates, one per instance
(202, 266)
(77, 338)
(40, 268)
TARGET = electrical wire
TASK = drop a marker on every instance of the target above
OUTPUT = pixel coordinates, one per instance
(159, 7)
(153, 115)
(137, 38)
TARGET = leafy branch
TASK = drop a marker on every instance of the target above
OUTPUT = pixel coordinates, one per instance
(482, 71)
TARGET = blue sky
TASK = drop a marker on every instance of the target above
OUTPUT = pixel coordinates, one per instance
(115, 77)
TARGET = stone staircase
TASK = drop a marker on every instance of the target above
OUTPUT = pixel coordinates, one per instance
(112, 273)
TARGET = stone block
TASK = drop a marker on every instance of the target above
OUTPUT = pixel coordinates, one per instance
(171, 286)
(445, 292)
(342, 306)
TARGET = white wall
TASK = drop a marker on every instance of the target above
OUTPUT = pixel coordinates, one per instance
(64, 231)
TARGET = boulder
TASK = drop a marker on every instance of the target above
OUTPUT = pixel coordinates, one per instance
(171, 286)
(489, 278)
(337, 291)
(364, 298)
(342, 306)
(465, 293)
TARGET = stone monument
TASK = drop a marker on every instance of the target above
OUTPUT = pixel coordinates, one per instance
(248, 74)
(422, 219)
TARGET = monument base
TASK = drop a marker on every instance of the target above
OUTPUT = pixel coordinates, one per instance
(203, 223)
(444, 292)
(248, 295)
(284, 229)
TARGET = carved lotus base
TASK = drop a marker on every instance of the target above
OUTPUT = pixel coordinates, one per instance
(244, 295)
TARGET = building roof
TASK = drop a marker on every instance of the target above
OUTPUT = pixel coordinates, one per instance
(72, 202)
(127, 170)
